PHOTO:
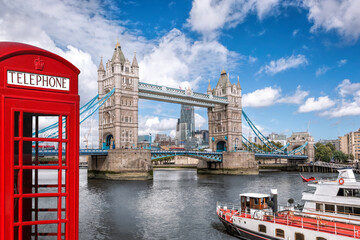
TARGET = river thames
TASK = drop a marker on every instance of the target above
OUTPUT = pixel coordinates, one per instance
(176, 204)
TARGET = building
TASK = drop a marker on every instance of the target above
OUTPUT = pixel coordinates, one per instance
(278, 138)
(163, 140)
(118, 117)
(185, 127)
(350, 144)
(302, 141)
(225, 128)
(335, 143)
(202, 137)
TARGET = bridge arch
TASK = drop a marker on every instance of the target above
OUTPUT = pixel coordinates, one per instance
(221, 146)
(109, 142)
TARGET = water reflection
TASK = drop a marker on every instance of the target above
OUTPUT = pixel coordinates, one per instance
(177, 204)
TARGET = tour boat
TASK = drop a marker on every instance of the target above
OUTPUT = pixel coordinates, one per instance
(331, 212)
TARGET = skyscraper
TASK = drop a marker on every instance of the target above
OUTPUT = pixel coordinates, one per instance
(186, 123)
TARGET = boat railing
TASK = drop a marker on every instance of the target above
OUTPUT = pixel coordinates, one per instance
(311, 221)
(335, 215)
(230, 206)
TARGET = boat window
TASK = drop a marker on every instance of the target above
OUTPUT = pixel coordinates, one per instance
(357, 193)
(256, 201)
(262, 228)
(320, 238)
(340, 209)
(348, 210)
(356, 211)
(280, 233)
(319, 207)
(329, 208)
(341, 192)
(299, 236)
(348, 192)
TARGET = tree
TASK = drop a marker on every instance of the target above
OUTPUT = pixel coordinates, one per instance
(351, 156)
(331, 146)
(340, 156)
(323, 153)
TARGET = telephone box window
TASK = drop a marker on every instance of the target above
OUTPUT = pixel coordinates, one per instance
(43, 198)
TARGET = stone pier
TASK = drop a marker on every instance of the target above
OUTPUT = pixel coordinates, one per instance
(234, 163)
(122, 164)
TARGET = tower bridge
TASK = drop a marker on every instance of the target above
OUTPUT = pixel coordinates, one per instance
(119, 91)
(118, 117)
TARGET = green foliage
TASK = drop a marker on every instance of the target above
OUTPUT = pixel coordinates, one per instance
(291, 201)
(351, 156)
(263, 147)
(331, 146)
(323, 153)
(340, 156)
(327, 152)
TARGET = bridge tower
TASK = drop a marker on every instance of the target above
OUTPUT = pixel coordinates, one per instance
(118, 117)
(225, 121)
(297, 139)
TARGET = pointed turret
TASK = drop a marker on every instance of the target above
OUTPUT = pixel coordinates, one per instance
(134, 62)
(118, 56)
(209, 91)
(238, 84)
(223, 80)
(101, 66)
(228, 83)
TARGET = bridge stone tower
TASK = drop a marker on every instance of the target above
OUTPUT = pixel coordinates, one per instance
(118, 117)
(225, 129)
(297, 139)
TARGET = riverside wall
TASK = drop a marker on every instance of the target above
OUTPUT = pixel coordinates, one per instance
(122, 164)
(234, 163)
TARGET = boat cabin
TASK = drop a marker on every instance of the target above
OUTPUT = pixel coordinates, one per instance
(254, 201)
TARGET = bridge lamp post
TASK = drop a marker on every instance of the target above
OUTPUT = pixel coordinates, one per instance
(150, 141)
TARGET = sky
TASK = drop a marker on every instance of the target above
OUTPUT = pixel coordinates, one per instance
(297, 61)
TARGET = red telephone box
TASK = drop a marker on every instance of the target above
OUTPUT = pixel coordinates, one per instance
(39, 194)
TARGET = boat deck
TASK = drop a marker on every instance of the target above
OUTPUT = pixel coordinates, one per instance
(305, 221)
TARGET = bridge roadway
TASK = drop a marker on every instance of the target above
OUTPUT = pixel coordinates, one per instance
(173, 95)
(208, 156)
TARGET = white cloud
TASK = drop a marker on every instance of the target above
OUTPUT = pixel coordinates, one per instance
(350, 100)
(252, 59)
(295, 32)
(295, 98)
(343, 16)
(269, 96)
(199, 121)
(209, 16)
(282, 64)
(172, 133)
(177, 61)
(153, 125)
(322, 70)
(312, 104)
(75, 30)
(261, 98)
(342, 62)
(346, 108)
(348, 88)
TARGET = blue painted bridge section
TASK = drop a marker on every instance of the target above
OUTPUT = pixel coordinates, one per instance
(208, 156)
(158, 155)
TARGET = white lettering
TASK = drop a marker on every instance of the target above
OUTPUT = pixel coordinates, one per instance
(37, 80)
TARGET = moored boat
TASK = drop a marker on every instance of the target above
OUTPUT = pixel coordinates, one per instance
(330, 212)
